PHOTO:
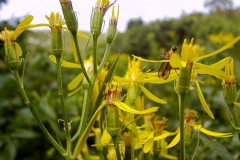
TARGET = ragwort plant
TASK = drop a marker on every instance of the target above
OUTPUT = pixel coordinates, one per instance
(124, 128)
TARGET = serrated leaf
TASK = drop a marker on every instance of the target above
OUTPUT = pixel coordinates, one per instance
(216, 147)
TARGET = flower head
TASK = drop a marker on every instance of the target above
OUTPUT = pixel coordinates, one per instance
(190, 124)
(12, 49)
(56, 21)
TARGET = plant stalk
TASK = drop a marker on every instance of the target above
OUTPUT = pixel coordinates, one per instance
(181, 99)
(34, 113)
(64, 110)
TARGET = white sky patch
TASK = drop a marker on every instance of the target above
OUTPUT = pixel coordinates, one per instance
(148, 10)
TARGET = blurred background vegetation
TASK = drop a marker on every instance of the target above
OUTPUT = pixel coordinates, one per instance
(22, 139)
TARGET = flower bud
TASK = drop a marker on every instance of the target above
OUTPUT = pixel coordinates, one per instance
(112, 29)
(112, 93)
(97, 16)
(12, 49)
(229, 85)
(112, 120)
(132, 93)
(69, 15)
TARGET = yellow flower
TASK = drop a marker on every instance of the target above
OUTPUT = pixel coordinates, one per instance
(190, 124)
(12, 49)
(56, 22)
(134, 76)
(112, 97)
(190, 54)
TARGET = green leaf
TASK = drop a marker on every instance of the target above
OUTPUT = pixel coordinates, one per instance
(107, 79)
(9, 151)
(216, 147)
(23, 133)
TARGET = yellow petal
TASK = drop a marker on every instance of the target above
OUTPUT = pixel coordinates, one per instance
(210, 133)
(126, 108)
(176, 62)
(19, 50)
(74, 49)
(121, 80)
(218, 65)
(162, 136)
(75, 82)
(146, 60)
(80, 34)
(75, 91)
(156, 80)
(105, 139)
(212, 71)
(174, 141)
(27, 20)
(202, 100)
(148, 143)
(151, 96)
(64, 63)
(235, 40)
(237, 104)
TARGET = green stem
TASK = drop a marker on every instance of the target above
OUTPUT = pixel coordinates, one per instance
(64, 110)
(88, 92)
(132, 105)
(34, 113)
(115, 141)
(95, 38)
(104, 59)
(101, 121)
(233, 113)
(75, 40)
(181, 99)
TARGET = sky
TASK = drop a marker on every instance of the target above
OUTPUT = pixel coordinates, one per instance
(148, 10)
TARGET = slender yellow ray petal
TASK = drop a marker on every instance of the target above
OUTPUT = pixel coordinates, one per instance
(121, 80)
(19, 50)
(162, 136)
(219, 65)
(105, 139)
(75, 82)
(84, 136)
(235, 40)
(75, 91)
(212, 71)
(157, 80)
(80, 34)
(27, 20)
(64, 63)
(174, 141)
(34, 26)
(126, 108)
(210, 133)
(176, 62)
(140, 78)
(237, 104)
(146, 60)
(202, 100)
(148, 143)
(74, 49)
(151, 96)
